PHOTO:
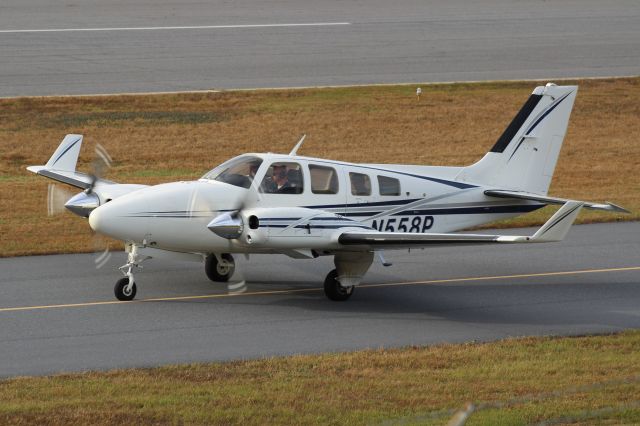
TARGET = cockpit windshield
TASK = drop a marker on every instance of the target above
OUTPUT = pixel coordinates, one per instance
(237, 171)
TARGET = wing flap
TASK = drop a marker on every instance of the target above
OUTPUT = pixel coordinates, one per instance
(555, 229)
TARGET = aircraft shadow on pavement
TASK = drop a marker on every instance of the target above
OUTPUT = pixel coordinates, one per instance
(559, 301)
(526, 304)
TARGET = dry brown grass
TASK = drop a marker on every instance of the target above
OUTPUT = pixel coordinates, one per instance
(172, 137)
(517, 381)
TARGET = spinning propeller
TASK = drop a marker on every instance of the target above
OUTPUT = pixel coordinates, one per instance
(81, 204)
(230, 225)
(227, 224)
(56, 199)
(99, 166)
(60, 199)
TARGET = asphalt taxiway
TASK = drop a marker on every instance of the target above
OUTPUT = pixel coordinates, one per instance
(88, 47)
(57, 313)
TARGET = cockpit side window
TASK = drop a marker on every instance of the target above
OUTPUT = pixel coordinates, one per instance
(360, 184)
(324, 180)
(238, 171)
(388, 185)
(283, 178)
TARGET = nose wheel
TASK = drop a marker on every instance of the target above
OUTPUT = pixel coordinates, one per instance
(125, 290)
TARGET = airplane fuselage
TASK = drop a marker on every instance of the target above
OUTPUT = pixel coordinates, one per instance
(329, 197)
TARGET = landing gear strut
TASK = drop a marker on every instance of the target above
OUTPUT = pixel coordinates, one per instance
(334, 290)
(125, 288)
(350, 268)
(219, 267)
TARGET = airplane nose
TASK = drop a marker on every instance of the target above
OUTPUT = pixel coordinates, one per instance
(116, 220)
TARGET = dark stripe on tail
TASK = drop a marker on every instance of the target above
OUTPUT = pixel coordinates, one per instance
(516, 123)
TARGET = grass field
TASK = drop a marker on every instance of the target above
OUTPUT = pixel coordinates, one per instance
(581, 380)
(175, 137)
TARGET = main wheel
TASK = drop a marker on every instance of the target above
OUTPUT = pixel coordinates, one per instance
(334, 290)
(121, 291)
(217, 271)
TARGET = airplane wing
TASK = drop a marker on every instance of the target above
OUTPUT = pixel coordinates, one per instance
(62, 165)
(500, 193)
(555, 229)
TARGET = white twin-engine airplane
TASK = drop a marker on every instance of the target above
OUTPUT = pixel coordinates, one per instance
(308, 207)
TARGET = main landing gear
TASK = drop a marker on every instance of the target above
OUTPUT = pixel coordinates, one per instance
(334, 290)
(219, 267)
(350, 268)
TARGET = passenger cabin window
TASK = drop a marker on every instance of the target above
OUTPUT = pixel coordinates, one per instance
(360, 184)
(324, 180)
(283, 178)
(388, 186)
(237, 171)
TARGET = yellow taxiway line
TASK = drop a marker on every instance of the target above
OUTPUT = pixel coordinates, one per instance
(308, 290)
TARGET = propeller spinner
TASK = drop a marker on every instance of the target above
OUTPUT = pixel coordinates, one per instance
(85, 202)
(227, 225)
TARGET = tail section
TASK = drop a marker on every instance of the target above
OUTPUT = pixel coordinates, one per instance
(524, 157)
(66, 156)
(62, 164)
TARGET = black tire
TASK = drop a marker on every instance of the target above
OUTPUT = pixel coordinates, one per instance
(120, 290)
(216, 272)
(334, 290)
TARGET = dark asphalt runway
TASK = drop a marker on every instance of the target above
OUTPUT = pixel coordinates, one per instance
(384, 42)
(283, 310)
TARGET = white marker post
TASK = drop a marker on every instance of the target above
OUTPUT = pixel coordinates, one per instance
(418, 93)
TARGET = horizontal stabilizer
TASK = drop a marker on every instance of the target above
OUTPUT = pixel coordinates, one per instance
(73, 178)
(499, 193)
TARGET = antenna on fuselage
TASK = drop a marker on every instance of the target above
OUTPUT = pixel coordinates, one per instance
(294, 151)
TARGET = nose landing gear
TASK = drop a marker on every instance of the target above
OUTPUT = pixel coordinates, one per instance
(125, 288)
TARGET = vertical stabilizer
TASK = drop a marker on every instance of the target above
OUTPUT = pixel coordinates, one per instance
(524, 157)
